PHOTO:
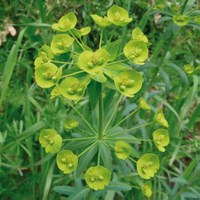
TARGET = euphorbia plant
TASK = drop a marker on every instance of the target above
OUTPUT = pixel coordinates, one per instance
(87, 75)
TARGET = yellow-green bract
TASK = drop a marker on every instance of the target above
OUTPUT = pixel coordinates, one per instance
(128, 82)
(138, 35)
(50, 140)
(122, 150)
(61, 43)
(147, 189)
(147, 165)
(70, 123)
(72, 88)
(181, 20)
(160, 118)
(66, 23)
(47, 74)
(118, 16)
(81, 32)
(136, 51)
(67, 161)
(97, 177)
(45, 55)
(101, 21)
(143, 104)
(161, 139)
(93, 62)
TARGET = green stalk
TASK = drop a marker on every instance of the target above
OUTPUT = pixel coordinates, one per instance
(101, 36)
(129, 115)
(131, 129)
(100, 133)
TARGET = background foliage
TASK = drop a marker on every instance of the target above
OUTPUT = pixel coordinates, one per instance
(26, 172)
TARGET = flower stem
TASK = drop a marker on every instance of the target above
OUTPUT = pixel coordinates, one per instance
(129, 115)
(132, 160)
(79, 72)
(87, 149)
(101, 36)
(88, 124)
(127, 130)
(100, 134)
(137, 139)
(77, 41)
(77, 139)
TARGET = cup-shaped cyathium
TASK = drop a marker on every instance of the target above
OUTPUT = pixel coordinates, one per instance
(147, 165)
(67, 161)
(50, 140)
(97, 177)
(65, 23)
(161, 139)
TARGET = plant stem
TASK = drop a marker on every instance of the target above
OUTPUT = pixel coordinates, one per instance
(138, 139)
(100, 41)
(118, 61)
(136, 127)
(88, 124)
(133, 112)
(77, 41)
(100, 134)
(79, 72)
(62, 62)
(132, 159)
(99, 155)
(77, 139)
(87, 149)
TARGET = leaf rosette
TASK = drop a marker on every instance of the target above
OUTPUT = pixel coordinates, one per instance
(61, 43)
(147, 165)
(50, 140)
(122, 150)
(118, 16)
(136, 51)
(129, 82)
(65, 23)
(161, 139)
(66, 161)
(47, 75)
(97, 177)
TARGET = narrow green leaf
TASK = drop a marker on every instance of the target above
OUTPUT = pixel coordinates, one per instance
(105, 153)
(118, 186)
(66, 190)
(48, 182)
(94, 90)
(189, 170)
(86, 158)
(9, 66)
(112, 48)
(80, 195)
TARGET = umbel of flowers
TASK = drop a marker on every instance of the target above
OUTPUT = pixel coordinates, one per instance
(70, 79)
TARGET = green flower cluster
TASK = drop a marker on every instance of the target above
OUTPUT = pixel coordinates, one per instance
(69, 78)
(89, 64)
